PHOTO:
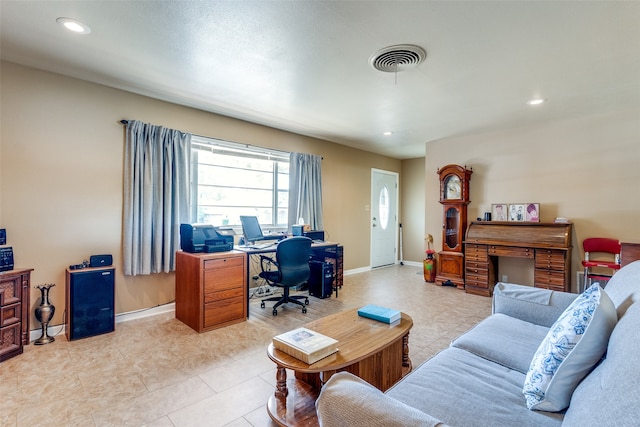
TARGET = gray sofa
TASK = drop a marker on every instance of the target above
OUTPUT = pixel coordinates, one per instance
(478, 380)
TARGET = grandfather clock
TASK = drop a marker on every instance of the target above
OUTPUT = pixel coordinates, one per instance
(454, 197)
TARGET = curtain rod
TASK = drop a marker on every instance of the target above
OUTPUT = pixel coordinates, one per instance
(126, 122)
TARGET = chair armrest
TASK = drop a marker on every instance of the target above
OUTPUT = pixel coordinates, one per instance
(266, 263)
(535, 305)
(267, 273)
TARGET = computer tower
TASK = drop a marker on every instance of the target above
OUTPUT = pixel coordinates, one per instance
(321, 279)
(90, 302)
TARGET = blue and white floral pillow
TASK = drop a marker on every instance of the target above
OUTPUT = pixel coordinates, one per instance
(573, 345)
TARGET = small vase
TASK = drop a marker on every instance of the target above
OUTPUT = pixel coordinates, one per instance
(44, 314)
(429, 268)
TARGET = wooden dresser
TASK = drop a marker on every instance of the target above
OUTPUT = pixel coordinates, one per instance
(14, 311)
(629, 253)
(211, 289)
(548, 244)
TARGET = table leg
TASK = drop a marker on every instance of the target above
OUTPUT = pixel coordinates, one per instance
(281, 383)
(405, 351)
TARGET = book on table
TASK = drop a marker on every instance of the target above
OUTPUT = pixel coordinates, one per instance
(306, 345)
(381, 314)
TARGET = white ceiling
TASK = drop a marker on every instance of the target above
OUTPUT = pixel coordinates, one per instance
(303, 66)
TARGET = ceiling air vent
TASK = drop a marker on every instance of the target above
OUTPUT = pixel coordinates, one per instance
(398, 58)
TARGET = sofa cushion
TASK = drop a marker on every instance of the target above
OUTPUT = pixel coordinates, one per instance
(504, 340)
(539, 306)
(571, 348)
(346, 400)
(610, 394)
(462, 389)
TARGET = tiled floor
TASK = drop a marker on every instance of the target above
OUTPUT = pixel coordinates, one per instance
(158, 372)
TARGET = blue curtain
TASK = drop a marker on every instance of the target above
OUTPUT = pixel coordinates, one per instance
(156, 196)
(305, 190)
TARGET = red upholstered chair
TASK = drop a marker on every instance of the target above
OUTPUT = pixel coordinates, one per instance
(600, 253)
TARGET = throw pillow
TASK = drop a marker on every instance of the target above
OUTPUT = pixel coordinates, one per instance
(573, 345)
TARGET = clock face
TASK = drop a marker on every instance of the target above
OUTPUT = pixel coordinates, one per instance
(452, 187)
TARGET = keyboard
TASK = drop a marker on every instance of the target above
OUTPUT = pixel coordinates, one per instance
(262, 245)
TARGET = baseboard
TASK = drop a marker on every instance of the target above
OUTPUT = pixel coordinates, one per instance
(355, 271)
(412, 263)
(52, 331)
(147, 312)
(56, 330)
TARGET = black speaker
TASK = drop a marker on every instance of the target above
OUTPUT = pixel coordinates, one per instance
(100, 260)
(90, 302)
(321, 279)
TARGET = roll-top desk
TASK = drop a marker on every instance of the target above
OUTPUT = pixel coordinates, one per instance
(548, 244)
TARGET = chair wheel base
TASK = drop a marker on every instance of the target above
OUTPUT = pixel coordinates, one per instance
(304, 309)
(274, 312)
(262, 305)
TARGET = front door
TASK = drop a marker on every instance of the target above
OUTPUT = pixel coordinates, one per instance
(384, 217)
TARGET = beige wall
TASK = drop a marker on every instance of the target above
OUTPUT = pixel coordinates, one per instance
(62, 166)
(413, 202)
(585, 169)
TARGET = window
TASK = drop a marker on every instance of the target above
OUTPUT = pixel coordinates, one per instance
(230, 179)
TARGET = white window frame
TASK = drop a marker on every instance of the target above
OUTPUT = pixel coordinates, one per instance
(278, 220)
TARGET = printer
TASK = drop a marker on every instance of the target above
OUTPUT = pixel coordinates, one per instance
(196, 238)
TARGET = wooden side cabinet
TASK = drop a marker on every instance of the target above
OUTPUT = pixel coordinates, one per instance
(14, 311)
(211, 289)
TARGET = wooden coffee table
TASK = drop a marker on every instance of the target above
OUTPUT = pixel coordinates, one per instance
(372, 350)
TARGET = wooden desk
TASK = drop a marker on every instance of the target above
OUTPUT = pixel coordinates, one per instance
(374, 351)
(548, 244)
(320, 251)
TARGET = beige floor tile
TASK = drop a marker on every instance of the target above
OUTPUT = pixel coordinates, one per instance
(226, 406)
(238, 371)
(158, 372)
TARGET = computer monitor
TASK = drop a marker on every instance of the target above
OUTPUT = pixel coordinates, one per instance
(251, 228)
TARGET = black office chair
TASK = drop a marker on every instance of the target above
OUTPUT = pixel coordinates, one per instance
(292, 264)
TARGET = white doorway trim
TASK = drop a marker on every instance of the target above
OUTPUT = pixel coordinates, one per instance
(393, 217)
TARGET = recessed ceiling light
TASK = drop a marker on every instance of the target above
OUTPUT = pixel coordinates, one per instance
(74, 25)
(387, 133)
(536, 101)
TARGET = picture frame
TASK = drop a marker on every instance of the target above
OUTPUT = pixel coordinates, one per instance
(532, 212)
(516, 212)
(499, 212)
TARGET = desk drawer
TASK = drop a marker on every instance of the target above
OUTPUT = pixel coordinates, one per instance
(220, 295)
(227, 262)
(511, 251)
(551, 287)
(476, 252)
(10, 314)
(549, 264)
(476, 283)
(544, 278)
(475, 277)
(224, 278)
(549, 259)
(222, 311)
(472, 265)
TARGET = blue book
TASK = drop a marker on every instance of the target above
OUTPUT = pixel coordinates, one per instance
(381, 314)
